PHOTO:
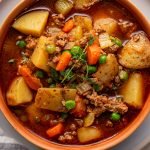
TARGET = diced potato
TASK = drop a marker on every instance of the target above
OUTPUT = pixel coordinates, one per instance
(89, 119)
(34, 113)
(40, 56)
(84, 4)
(18, 92)
(32, 23)
(106, 72)
(63, 6)
(51, 98)
(133, 90)
(88, 134)
(76, 33)
(105, 41)
(84, 22)
(109, 25)
(136, 53)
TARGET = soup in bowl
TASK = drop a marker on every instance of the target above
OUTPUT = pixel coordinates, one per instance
(76, 72)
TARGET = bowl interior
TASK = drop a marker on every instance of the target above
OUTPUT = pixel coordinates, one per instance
(32, 137)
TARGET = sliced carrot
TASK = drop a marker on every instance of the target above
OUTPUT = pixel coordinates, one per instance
(64, 61)
(33, 82)
(93, 53)
(56, 130)
(80, 109)
(68, 25)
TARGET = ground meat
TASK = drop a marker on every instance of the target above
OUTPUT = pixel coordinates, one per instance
(56, 59)
(79, 122)
(109, 124)
(85, 6)
(98, 29)
(69, 45)
(84, 89)
(68, 137)
(61, 39)
(107, 104)
(31, 42)
(58, 19)
(96, 110)
(73, 127)
(112, 49)
(127, 27)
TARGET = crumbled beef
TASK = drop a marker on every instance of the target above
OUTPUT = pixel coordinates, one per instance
(58, 19)
(72, 127)
(68, 137)
(84, 89)
(31, 42)
(112, 49)
(109, 124)
(51, 31)
(77, 64)
(79, 122)
(61, 39)
(69, 45)
(107, 104)
(96, 110)
(87, 5)
(127, 27)
(56, 59)
(98, 29)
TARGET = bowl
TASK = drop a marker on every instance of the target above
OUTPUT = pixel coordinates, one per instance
(45, 144)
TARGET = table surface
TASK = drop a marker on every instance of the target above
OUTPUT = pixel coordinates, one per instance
(137, 141)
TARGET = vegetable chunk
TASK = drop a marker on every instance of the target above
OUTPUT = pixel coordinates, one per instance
(88, 134)
(40, 56)
(51, 98)
(133, 90)
(18, 92)
(32, 23)
(136, 53)
(109, 25)
(106, 72)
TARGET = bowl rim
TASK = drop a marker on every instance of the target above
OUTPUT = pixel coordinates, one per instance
(41, 142)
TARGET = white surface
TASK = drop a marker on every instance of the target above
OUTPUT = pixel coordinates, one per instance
(135, 142)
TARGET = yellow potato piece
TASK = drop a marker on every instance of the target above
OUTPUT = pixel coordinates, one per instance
(76, 33)
(51, 98)
(18, 92)
(87, 134)
(32, 23)
(40, 56)
(133, 90)
(106, 72)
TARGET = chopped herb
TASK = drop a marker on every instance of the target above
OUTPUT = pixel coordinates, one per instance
(39, 74)
(52, 86)
(49, 80)
(54, 74)
(91, 40)
(96, 87)
(67, 74)
(64, 115)
(11, 61)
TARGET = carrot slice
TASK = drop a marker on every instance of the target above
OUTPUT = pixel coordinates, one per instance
(56, 130)
(93, 53)
(80, 109)
(64, 61)
(33, 82)
(68, 25)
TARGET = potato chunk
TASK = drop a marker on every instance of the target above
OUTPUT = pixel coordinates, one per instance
(109, 25)
(106, 72)
(76, 33)
(133, 90)
(32, 23)
(40, 56)
(84, 22)
(88, 134)
(136, 53)
(18, 92)
(51, 98)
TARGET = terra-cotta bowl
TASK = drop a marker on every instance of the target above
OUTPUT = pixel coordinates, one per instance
(39, 141)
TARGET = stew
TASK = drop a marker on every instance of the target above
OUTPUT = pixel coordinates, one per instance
(75, 72)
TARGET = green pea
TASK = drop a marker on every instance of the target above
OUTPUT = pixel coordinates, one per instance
(116, 41)
(76, 50)
(102, 59)
(123, 75)
(50, 49)
(64, 115)
(70, 104)
(39, 74)
(115, 116)
(21, 43)
(91, 69)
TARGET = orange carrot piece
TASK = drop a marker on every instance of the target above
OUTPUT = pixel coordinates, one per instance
(68, 25)
(80, 108)
(33, 82)
(64, 61)
(93, 53)
(56, 130)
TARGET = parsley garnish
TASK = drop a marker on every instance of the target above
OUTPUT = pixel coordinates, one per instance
(91, 40)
